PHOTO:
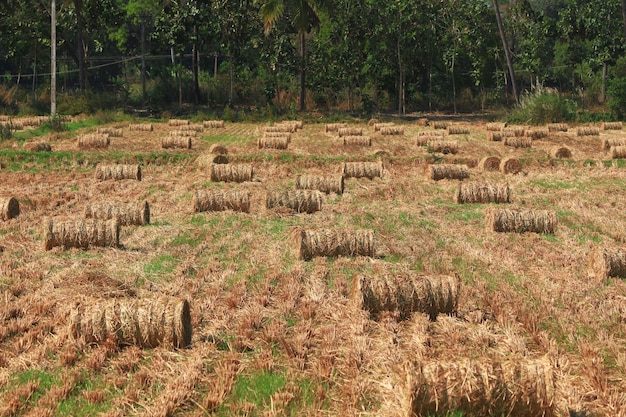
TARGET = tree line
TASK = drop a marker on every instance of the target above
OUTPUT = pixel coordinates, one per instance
(355, 55)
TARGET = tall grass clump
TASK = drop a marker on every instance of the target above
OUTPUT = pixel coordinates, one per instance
(543, 106)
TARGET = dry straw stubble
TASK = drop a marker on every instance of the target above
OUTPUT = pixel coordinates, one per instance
(9, 208)
(521, 221)
(407, 294)
(438, 172)
(604, 263)
(482, 193)
(118, 172)
(128, 214)
(231, 172)
(335, 243)
(220, 200)
(300, 201)
(147, 323)
(81, 233)
(324, 183)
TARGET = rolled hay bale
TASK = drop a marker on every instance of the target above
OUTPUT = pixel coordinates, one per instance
(176, 142)
(38, 147)
(128, 214)
(335, 243)
(9, 208)
(357, 141)
(220, 200)
(183, 133)
(324, 183)
(192, 127)
(295, 124)
(111, 131)
(372, 122)
(300, 201)
(231, 172)
(495, 136)
(392, 131)
(480, 387)
(458, 130)
(93, 140)
(510, 165)
(407, 294)
(604, 263)
(280, 128)
(608, 143)
(280, 142)
(538, 133)
(618, 152)
(278, 135)
(334, 127)
(588, 131)
(495, 126)
(213, 124)
(443, 146)
(432, 133)
(560, 152)
(206, 160)
(489, 163)
(612, 126)
(422, 121)
(379, 126)
(178, 122)
(557, 127)
(141, 127)
(482, 193)
(218, 149)
(350, 131)
(147, 323)
(440, 124)
(369, 170)
(81, 233)
(447, 171)
(518, 142)
(118, 172)
(521, 221)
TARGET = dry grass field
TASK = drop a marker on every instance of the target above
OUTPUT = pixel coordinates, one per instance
(394, 298)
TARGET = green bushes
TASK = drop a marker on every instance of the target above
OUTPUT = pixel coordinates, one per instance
(543, 106)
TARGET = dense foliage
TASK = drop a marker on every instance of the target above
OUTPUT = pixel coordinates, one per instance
(358, 55)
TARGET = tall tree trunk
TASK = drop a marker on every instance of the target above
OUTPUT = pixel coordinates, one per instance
(302, 71)
(195, 58)
(453, 84)
(605, 71)
(624, 17)
(505, 45)
(80, 49)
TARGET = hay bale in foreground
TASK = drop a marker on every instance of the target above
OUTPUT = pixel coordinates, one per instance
(176, 142)
(612, 126)
(369, 170)
(518, 142)
(618, 152)
(280, 142)
(608, 143)
(482, 193)
(350, 131)
(9, 208)
(219, 200)
(93, 140)
(324, 183)
(558, 127)
(213, 124)
(510, 165)
(447, 171)
(588, 131)
(334, 243)
(458, 130)
(38, 147)
(407, 294)
(560, 152)
(206, 160)
(300, 201)
(147, 323)
(128, 214)
(118, 172)
(489, 163)
(443, 146)
(357, 141)
(218, 149)
(480, 387)
(231, 172)
(334, 127)
(607, 263)
(141, 127)
(81, 233)
(111, 131)
(521, 221)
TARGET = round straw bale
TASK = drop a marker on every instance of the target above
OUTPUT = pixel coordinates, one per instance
(443, 146)
(438, 172)
(372, 122)
(489, 163)
(81, 233)
(178, 122)
(369, 170)
(357, 141)
(279, 128)
(191, 127)
(517, 131)
(557, 127)
(432, 133)
(285, 135)
(612, 126)
(538, 133)
(482, 193)
(510, 165)
(38, 147)
(219, 200)
(560, 152)
(392, 131)
(141, 127)
(300, 201)
(495, 126)
(588, 131)
(440, 124)
(521, 221)
(406, 294)
(176, 142)
(219, 149)
(213, 124)
(182, 133)
(231, 172)
(334, 127)
(350, 131)
(128, 214)
(206, 160)
(518, 142)
(478, 387)
(495, 136)
(607, 263)
(296, 124)
(335, 242)
(118, 172)
(147, 323)
(93, 140)
(458, 130)
(111, 131)
(422, 121)
(324, 183)
(609, 142)
(281, 142)
(9, 208)
(618, 152)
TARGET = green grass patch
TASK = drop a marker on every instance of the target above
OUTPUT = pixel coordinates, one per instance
(554, 185)
(189, 238)
(77, 405)
(160, 266)
(258, 387)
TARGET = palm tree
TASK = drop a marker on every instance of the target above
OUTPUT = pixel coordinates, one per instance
(304, 16)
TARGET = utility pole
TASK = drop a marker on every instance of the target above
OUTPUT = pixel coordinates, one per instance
(53, 61)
